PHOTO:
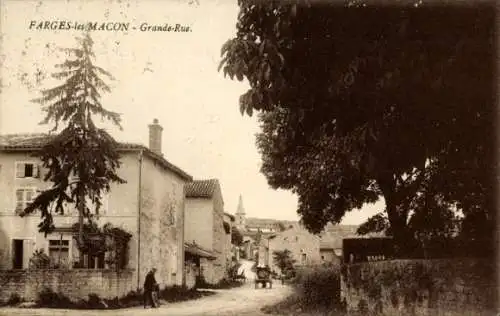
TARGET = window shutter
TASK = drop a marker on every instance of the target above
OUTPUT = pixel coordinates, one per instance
(36, 170)
(30, 195)
(19, 170)
(19, 200)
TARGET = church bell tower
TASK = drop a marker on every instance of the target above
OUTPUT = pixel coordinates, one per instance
(240, 215)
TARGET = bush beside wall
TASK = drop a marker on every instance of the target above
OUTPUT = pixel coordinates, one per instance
(420, 287)
(316, 292)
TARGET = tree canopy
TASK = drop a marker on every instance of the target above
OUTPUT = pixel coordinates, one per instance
(359, 102)
(82, 159)
(284, 260)
(236, 237)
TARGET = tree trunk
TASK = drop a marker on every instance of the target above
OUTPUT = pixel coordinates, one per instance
(81, 210)
(397, 216)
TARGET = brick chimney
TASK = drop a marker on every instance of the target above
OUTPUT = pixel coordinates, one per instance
(155, 131)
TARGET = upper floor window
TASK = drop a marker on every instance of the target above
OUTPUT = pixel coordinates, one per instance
(24, 196)
(26, 170)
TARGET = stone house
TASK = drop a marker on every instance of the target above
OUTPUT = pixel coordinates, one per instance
(305, 247)
(204, 227)
(150, 206)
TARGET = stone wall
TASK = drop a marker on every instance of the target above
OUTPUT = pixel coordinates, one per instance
(75, 284)
(420, 287)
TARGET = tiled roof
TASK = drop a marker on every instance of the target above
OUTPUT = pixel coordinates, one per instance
(332, 236)
(197, 251)
(202, 188)
(33, 142)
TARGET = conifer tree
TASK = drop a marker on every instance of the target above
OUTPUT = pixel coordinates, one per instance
(81, 159)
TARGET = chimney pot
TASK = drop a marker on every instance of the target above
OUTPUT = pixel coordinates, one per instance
(155, 132)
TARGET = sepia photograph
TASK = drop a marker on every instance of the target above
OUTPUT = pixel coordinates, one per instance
(249, 158)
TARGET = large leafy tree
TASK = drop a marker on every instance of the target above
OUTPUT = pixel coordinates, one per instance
(359, 102)
(81, 159)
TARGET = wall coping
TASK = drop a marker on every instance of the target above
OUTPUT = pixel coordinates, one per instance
(456, 259)
(64, 270)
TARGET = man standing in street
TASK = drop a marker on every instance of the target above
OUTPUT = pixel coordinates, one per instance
(149, 286)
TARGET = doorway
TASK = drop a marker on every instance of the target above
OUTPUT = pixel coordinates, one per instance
(17, 255)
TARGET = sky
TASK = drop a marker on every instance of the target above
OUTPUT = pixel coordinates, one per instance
(170, 76)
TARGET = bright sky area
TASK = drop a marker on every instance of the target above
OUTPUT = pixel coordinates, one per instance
(169, 76)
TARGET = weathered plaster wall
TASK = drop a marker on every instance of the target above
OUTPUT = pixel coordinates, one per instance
(219, 238)
(199, 221)
(161, 224)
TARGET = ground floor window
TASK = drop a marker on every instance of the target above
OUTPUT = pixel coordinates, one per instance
(59, 253)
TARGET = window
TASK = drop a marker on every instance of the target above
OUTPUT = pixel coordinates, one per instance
(24, 196)
(26, 170)
(59, 252)
(303, 259)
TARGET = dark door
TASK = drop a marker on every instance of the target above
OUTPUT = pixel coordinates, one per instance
(17, 247)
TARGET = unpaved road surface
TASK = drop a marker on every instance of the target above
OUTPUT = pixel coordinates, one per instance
(243, 301)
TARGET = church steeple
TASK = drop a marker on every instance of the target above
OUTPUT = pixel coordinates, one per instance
(240, 215)
(241, 209)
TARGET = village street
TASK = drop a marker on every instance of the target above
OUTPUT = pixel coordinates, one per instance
(245, 301)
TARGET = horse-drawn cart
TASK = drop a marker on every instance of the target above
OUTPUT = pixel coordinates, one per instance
(263, 277)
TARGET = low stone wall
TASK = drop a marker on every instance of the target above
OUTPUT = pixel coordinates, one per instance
(420, 287)
(75, 284)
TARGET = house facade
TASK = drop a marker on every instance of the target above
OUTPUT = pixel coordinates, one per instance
(149, 206)
(205, 228)
(231, 255)
(304, 246)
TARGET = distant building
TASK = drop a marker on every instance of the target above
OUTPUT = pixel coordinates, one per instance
(304, 246)
(262, 236)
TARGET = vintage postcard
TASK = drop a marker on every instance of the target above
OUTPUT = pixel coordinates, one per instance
(243, 157)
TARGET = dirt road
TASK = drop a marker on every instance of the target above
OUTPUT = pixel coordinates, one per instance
(243, 301)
